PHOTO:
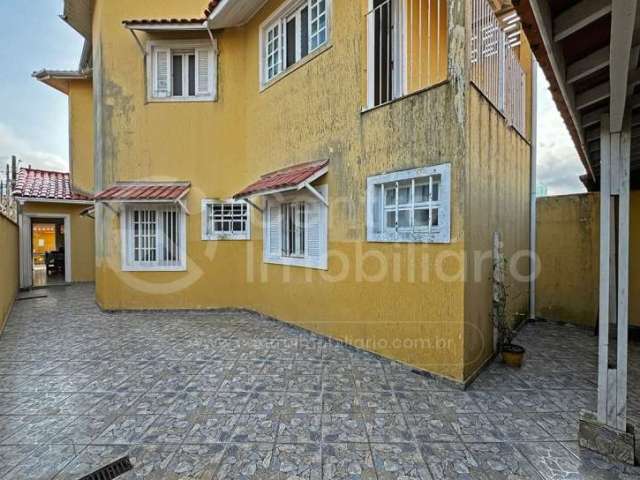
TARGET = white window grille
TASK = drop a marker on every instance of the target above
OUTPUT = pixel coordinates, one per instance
(154, 238)
(296, 230)
(182, 71)
(410, 206)
(295, 30)
(495, 68)
(225, 220)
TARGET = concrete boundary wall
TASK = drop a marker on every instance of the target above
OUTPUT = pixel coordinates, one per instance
(569, 248)
(9, 272)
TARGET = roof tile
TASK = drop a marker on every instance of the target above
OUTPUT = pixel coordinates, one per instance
(46, 185)
(136, 191)
(284, 178)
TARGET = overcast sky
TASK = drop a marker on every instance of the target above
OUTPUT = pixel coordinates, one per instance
(34, 117)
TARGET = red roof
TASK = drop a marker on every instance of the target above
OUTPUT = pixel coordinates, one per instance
(285, 178)
(138, 191)
(46, 185)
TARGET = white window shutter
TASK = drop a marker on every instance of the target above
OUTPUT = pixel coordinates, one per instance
(204, 72)
(162, 73)
(275, 231)
(317, 233)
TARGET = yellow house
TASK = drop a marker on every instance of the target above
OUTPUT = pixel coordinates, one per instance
(338, 165)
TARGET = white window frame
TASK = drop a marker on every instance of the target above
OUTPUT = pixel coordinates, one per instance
(320, 262)
(213, 235)
(376, 228)
(126, 238)
(177, 45)
(280, 17)
(399, 54)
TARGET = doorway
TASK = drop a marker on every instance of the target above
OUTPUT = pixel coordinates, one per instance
(45, 255)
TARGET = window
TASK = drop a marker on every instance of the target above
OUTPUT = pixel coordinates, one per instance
(181, 71)
(225, 220)
(295, 30)
(295, 230)
(384, 51)
(410, 206)
(154, 238)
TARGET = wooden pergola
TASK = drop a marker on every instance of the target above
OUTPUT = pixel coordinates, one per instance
(588, 50)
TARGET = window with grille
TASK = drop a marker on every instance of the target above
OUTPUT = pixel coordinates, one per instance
(154, 238)
(225, 220)
(410, 206)
(182, 71)
(296, 29)
(296, 230)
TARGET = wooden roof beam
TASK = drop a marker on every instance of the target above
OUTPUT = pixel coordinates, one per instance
(593, 118)
(603, 91)
(579, 16)
(623, 23)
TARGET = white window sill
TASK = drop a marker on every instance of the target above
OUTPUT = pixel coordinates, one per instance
(224, 237)
(181, 100)
(130, 268)
(282, 75)
(295, 262)
(403, 97)
(408, 237)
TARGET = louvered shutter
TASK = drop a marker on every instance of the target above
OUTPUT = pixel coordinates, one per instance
(316, 233)
(275, 231)
(161, 74)
(204, 72)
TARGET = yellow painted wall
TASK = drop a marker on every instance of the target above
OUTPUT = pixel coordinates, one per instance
(9, 267)
(82, 237)
(312, 113)
(569, 249)
(498, 199)
(81, 139)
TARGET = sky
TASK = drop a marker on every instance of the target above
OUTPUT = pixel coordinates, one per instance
(34, 117)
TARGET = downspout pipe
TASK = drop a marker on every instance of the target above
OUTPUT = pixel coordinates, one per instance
(533, 254)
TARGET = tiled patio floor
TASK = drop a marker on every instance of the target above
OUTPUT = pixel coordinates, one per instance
(222, 395)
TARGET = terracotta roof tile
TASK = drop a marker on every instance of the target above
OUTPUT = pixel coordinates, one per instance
(284, 178)
(122, 191)
(46, 185)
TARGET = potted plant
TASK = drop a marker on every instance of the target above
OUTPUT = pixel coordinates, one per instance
(512, 354)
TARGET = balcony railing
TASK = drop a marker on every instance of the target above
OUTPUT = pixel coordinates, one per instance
(407, 47)
(495, 68)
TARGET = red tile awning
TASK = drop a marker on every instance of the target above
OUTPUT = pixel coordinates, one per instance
(290, 178)
(144, 192)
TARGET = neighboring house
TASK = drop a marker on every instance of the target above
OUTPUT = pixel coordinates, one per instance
(338, 165)
(56, 236)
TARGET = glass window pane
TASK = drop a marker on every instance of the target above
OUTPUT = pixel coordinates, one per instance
(404, 218)
(436, 192)
(404, 194)
(177, 75)
(192, 75)
(291, 42)
(390, 196)
(304, 32)
(422, 193)
(421, 218)
(434, 212)
(390, 221)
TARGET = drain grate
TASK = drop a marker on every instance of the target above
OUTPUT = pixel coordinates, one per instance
(111, 471)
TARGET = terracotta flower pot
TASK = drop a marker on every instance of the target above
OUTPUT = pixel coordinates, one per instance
(513, 355)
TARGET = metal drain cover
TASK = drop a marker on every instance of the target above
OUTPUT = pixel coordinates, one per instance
(111, 471)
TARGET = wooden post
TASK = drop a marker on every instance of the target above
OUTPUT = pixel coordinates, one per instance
(605, 265)
(624, 156)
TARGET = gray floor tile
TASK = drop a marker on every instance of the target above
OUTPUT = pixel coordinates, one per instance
(399, 461)
(347, 461)
(344, 427)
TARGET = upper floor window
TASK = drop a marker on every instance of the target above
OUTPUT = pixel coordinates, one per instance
(182, 71)
(294, 31)
(410, 206)
(406, 47)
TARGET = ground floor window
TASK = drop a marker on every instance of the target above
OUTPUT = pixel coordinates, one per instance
(296, 230)
(410, 206)
(225, 220)
(154, 238)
